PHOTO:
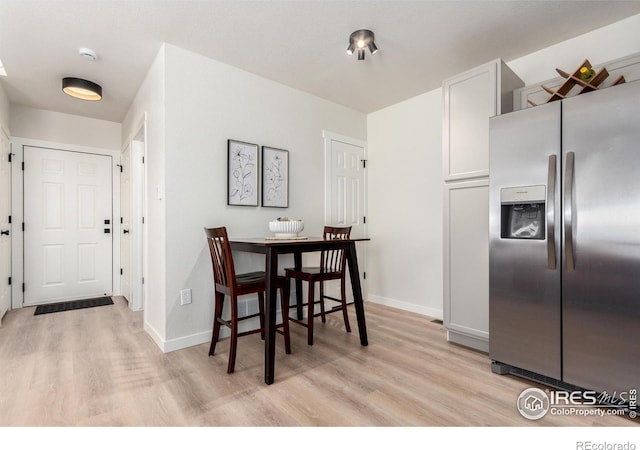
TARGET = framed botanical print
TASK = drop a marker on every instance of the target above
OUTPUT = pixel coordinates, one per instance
(242, 173)
(275, 177)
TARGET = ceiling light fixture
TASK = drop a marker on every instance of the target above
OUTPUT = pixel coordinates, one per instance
(360, 39)
(82, 89)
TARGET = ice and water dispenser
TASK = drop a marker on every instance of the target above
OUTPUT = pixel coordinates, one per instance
(523, 212)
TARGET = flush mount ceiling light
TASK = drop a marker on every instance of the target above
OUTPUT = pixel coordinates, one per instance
(82, 89)
(360, 39)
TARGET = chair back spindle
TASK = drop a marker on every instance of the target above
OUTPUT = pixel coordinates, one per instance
(221, 258)
(334, 260)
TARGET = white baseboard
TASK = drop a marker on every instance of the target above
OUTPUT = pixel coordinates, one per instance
(193, 339)
(187, 341)
(154, 335)
(405, 306)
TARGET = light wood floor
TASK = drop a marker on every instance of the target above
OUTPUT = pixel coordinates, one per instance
(97, 367)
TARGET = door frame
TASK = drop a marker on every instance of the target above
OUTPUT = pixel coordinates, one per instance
(137, 144)
(329, 136)
(17, 210)
(5, 133)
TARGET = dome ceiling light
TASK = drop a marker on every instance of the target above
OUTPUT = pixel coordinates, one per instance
(82, 89)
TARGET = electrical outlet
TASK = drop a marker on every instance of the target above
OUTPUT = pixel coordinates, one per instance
(185, 296)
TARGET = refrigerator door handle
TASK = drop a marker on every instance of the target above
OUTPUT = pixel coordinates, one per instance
(568, 211)
(551, 213)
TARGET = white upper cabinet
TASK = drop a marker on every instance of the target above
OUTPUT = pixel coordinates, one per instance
(470, 99)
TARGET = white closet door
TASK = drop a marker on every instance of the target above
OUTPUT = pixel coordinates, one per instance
(5, 227)
(68, 223)
(125, 213)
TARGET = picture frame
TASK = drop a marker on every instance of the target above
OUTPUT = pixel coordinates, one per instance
(275, 177)
(242, 173)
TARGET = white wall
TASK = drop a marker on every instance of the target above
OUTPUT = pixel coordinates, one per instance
(599, 46)
(208, 102)
(193, 105)
(405, 205)
(53, 126)
(4, 111)
(150, 99)
(405, 177)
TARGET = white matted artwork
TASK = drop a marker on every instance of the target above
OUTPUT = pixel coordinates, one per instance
(275, 177)
(242, 173)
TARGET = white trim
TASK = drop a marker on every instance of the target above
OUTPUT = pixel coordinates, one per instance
(186, 341)
(138, 199)
(406, 306)
(17, 216)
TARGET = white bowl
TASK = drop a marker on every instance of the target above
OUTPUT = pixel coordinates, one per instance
(286, 228)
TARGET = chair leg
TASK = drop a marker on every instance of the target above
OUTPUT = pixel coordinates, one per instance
(234, 335)
(217, 314)
(343, 296)
(322, 313)
(310, 312)
(284, 306)
(261, 311)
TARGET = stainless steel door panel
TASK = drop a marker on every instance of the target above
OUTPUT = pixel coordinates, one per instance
(524, 292)
(601, 292)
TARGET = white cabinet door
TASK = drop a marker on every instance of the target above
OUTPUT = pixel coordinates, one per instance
(469, 101)
(466, 262)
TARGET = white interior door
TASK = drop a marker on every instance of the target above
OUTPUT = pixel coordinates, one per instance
(67, 225)
(345, 192)
(5, 226)
(125, 212)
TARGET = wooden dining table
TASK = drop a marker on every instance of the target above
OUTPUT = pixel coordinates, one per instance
(272, 248)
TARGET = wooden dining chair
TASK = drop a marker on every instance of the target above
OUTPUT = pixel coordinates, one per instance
(228, 283)
(332, 267)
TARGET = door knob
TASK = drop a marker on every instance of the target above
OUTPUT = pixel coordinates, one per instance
(125, 231)
(5, 232)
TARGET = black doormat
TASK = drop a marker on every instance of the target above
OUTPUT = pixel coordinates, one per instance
(76, 304)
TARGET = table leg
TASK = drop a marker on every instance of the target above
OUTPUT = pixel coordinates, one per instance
(270, 313)
(354, 274)
(297, 263)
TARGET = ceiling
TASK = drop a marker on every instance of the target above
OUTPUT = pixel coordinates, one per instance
(299, 43)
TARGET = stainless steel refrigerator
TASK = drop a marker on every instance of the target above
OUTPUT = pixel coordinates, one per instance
(565, 241)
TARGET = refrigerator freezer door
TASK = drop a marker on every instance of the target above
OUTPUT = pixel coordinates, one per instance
(601, 286)
(524, 292)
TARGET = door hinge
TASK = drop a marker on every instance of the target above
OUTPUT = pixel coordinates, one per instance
(9, 280)
(143, 220)
(119, 165)
(9, 219)
(22, 226)
(121, 271)
(23, 166)
(142, 280)
(364, 219)
(143, 160)
(11, 156)
(121, 220)
(23, 287)
(364, 163)
(364, 275)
